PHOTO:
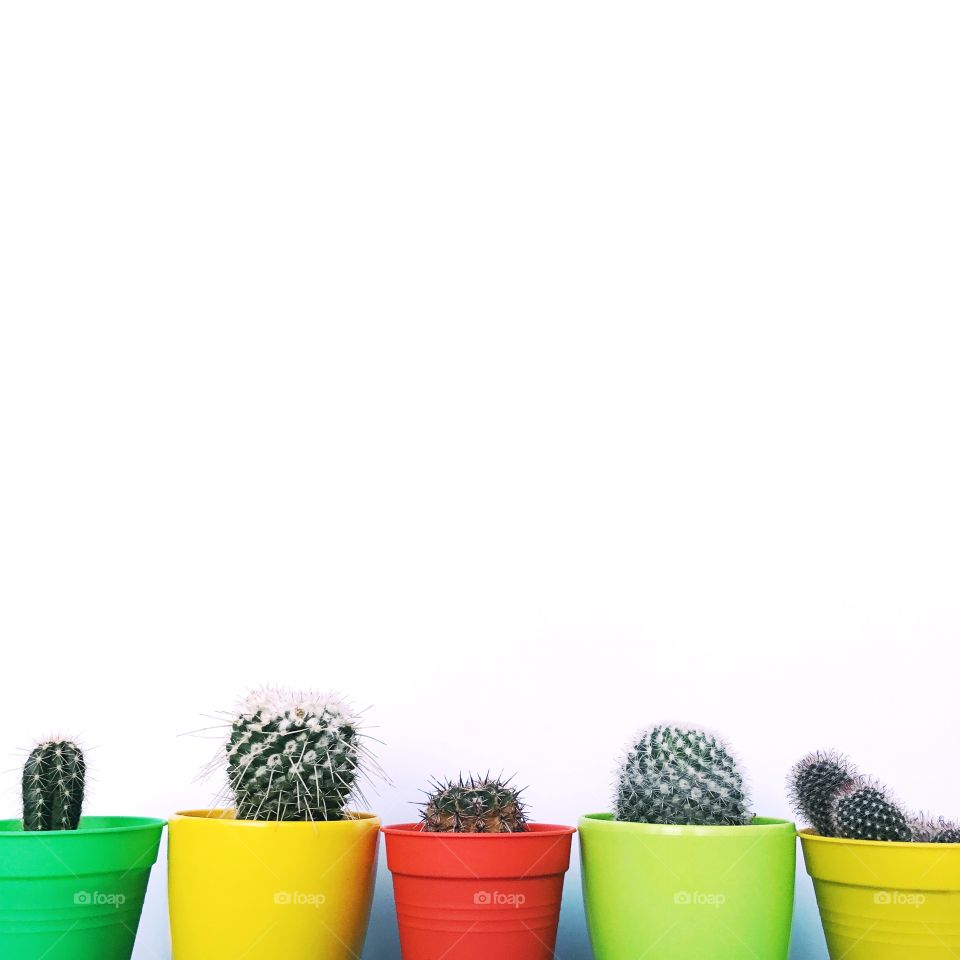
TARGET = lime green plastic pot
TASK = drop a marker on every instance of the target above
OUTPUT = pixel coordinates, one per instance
(886, 901)
(688, 893)
(75, 894)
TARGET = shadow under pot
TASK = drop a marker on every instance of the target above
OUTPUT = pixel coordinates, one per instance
(478, 896)
(260, 889)
(688, 892)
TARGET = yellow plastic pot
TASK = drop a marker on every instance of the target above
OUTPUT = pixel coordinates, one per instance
(886, 901)
(263, 890)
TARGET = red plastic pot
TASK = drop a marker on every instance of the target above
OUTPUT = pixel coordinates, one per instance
(478, 896)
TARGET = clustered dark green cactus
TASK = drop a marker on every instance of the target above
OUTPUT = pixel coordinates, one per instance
(672, 775)
(827, 793)
(294, 756)
(473, 804)
(54, 779)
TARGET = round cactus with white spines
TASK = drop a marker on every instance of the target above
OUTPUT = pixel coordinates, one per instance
(674, 775)
(294, 756)
(867, 812)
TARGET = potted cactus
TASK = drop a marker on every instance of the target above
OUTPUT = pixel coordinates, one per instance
(71, 887)
(475, 879)
(887, 881)
(681, 868)
(288, 869)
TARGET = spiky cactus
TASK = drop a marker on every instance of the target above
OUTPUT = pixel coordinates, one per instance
(814, 785)
(294, 756)
(930, 830)
(473, 805)
(673, 775)
(54, 779)
(866, 812)
(950, 833)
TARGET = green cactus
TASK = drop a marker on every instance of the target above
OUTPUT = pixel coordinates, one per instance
(814, 785)
(673, 775)
(866, 812)
(930, 830)
(473, 805)
(295, 756)
(54, 778)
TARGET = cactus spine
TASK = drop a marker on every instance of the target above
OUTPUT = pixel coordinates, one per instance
(673, 775)
(814, 785)
(294, 756)
(473, 805)
(54, 778)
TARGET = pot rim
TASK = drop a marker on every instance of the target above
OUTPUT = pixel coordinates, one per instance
(128, 825)
(224, 817)
(605, 821)
(808, 834)
(533, 830)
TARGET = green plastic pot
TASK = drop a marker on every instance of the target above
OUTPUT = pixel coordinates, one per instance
(687, 892)
(75, 894)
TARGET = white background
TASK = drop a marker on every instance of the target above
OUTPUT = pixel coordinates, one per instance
(528, 371)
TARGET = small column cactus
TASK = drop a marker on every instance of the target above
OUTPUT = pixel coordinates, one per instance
(814, 785)
(674, 775)
(473, 804)
(54, 779)
(295, 756)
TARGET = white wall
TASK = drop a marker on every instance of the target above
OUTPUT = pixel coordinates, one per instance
(529, 371)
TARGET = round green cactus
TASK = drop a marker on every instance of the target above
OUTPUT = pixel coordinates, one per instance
(54, 779)
(673, 775)
(294, 756)
(473, 805)
(866, 812)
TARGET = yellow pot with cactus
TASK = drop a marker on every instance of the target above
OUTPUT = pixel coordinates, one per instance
(266, 889)
(288, 870)
(887, 882)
